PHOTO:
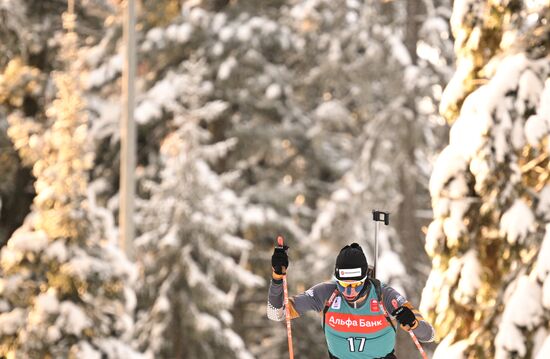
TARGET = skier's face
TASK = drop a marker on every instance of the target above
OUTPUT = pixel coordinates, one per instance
(350, 290)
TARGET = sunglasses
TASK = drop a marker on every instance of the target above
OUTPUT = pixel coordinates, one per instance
(355, 284)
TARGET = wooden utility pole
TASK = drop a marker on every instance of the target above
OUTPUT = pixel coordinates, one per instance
(128, 132)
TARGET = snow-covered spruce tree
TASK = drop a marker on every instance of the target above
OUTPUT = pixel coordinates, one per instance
(488, 293)
(248, 53)
(18, 84)
(65, 289)
(29, 50)
(254, 115)
(190, 248)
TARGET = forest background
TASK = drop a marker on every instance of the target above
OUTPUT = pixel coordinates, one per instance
(257, 119)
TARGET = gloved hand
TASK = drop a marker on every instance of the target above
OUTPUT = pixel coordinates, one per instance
(405, 317)
(279, 260)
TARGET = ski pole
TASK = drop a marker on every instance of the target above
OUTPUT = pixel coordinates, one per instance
(379, 216)
(280, 242)
(418, 345)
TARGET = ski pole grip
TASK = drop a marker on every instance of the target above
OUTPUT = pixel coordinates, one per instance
(379, 216)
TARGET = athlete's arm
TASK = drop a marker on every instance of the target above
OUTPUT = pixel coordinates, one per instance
(393, 300)
(312, 299)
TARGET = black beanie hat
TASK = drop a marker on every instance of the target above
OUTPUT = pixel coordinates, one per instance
(351, 263)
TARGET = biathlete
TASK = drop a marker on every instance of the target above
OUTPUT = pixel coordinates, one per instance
(357, 310)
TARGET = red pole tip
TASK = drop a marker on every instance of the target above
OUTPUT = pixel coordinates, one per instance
(280, 241)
